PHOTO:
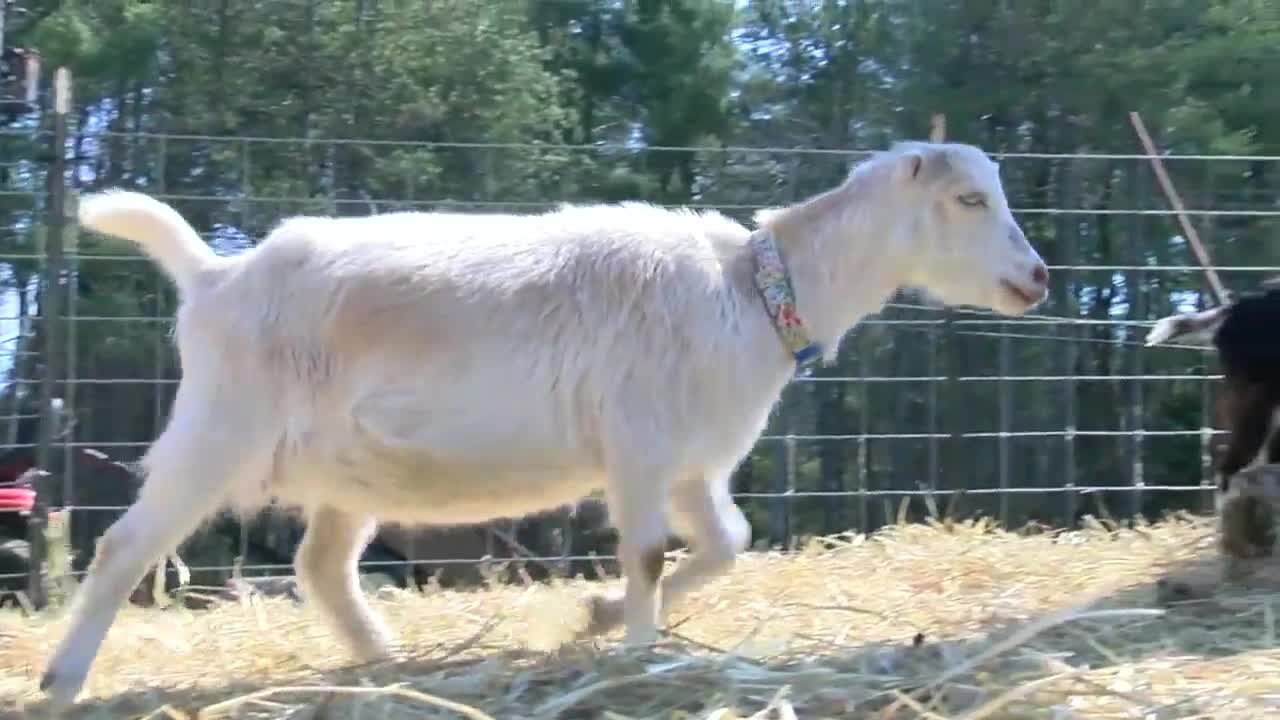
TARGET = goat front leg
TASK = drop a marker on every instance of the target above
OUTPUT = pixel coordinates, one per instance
(328, 573)
(702, 513)
(635, 499)
(1249, 413)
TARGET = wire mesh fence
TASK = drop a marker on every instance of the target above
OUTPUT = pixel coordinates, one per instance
(929, 411)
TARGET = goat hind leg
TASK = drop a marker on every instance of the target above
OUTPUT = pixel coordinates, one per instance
(186, 482)
(327, 565)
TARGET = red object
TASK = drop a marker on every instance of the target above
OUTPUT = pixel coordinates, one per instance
(12, 471)
(17, 499)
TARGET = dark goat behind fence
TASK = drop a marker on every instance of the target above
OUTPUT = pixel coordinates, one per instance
(1248, 345)
(1245, 335)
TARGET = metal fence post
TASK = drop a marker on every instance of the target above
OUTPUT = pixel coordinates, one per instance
(1004, 400)
(159, 397)
(50, 309)
(1208, 416)
(864, 430)
(1136, 295)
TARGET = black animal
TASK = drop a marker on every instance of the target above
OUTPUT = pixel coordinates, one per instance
(1246, 335)
(1248, 344)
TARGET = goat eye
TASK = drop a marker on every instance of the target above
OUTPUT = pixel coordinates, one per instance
(973, 199)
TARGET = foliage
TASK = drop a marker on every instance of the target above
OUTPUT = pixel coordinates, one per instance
(247, 111)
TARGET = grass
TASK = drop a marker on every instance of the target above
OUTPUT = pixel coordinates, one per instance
(917, 621)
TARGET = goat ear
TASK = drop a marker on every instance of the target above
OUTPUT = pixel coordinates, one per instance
(919, 164)
(911, 165)
(1190, 328)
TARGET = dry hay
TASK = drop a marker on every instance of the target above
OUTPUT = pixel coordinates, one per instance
(916, 621)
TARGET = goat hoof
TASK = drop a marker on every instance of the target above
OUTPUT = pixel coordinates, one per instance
(378, 653)
(604, 613)
(640, 637)
(1172, 591)
(59, 689)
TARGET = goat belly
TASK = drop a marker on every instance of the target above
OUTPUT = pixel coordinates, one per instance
(415, 486)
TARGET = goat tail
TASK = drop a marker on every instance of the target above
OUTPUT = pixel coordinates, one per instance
(155, 227)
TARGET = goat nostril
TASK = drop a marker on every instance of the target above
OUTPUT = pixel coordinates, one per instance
(1040, 275)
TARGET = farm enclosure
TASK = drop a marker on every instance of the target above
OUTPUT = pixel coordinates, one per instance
(372, 105)
(734, 106)
(1042, 418)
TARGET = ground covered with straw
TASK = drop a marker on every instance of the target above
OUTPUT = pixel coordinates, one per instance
(916, 621)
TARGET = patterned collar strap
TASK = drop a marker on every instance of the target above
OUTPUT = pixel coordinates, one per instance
(774, 283)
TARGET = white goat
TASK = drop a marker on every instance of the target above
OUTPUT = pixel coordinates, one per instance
(442, 368)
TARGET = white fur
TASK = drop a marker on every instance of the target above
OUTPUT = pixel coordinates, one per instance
(449, 368)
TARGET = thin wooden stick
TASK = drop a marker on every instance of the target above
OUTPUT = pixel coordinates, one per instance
(1215, 283)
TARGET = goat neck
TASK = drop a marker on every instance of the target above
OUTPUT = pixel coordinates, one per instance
(842, 251)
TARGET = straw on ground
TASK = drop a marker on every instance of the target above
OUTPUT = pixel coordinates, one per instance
(914, 622)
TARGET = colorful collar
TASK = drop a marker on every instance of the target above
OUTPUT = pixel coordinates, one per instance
(774, 283)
